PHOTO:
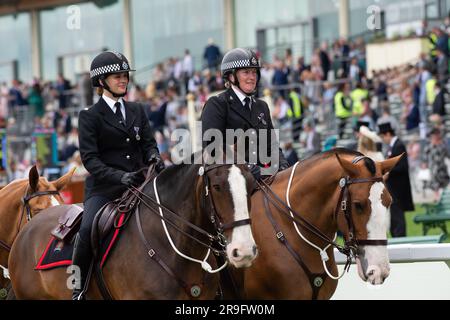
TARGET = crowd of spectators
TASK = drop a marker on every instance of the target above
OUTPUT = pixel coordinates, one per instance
(333, 77)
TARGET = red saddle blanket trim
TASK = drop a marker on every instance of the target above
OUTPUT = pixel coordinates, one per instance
(45, 264)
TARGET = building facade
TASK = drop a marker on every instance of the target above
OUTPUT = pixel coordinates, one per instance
(63, 36)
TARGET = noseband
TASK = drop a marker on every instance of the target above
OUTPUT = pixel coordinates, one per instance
(344, 205)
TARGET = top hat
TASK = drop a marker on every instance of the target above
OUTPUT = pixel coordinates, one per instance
(384, 128)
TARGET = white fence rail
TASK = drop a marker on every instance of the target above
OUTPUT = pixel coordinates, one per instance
(418, 271)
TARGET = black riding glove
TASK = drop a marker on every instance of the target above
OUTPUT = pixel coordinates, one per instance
(283, 165)
(133, 179)
(255, 170)
(159, 164)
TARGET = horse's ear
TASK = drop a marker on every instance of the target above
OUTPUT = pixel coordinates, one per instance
(64, 180)
(348, 166)
(33, 178)
(389, 164)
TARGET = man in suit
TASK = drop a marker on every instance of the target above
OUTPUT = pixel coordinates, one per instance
(237, 108)
(312, 143)
(398, 182)
(116, 143)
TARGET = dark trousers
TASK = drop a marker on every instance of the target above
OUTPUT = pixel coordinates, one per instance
(398, 223)
(91, 207)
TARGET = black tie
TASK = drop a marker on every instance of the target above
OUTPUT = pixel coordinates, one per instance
(247, 103)
(119, 113)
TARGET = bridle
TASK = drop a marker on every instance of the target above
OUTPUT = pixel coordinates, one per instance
(344, 205)
(217, 242)
(214, 217)
(27, 197)
(218, 238)
(26, 206)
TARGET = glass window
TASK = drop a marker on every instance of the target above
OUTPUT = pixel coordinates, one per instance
(254, 14)
(98, 28)
(165, 28)
(15, 34)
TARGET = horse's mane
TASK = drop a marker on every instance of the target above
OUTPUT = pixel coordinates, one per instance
(313, 160)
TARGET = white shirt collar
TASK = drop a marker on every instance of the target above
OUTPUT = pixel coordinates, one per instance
(394, 139)
(110, 102)
(240, 95)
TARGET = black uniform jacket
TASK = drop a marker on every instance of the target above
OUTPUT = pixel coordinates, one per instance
(226, 111)
(398, 182)
(109, 149)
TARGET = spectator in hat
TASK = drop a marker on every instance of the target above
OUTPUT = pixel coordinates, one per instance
(312, 142)
(354, 144)
(369, 144)
(398, 181)
(434, 157)
(290, 153)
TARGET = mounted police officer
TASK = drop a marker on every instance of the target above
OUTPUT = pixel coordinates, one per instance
(116, 143)
(237, 108)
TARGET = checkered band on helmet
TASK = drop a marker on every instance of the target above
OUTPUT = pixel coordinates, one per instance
(106, 63)
(105, 70)
(239, 58)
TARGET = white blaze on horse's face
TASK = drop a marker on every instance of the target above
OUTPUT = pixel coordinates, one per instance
(373, 261)
(54, 202)
(241, 249)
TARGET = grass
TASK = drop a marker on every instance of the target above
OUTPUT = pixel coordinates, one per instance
(413, 229)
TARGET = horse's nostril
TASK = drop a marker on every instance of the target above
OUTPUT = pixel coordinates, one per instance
(371, 272)
(235, 253)
(255, 250)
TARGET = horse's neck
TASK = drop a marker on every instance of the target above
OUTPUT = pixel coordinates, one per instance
(312, 193)
(180, 197)
(10, 212)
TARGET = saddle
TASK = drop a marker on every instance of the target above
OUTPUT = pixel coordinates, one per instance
(108, 216)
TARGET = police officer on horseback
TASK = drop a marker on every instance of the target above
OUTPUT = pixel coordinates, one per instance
(116, 144)
(237, 108)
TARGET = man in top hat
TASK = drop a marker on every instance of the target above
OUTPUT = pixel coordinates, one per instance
(398, 182)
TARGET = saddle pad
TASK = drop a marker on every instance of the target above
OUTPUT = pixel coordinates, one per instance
(59, 253)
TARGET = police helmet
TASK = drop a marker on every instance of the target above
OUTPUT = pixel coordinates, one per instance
(239, 58)
(106, 63)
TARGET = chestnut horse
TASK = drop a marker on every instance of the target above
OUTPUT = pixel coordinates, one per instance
(295, 221)
(19, 201)
(160, 254)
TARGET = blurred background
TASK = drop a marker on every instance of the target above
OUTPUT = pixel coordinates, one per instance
(386, 60)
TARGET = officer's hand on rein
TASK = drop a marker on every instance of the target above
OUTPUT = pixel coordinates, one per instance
(132, 178)
(159, 164)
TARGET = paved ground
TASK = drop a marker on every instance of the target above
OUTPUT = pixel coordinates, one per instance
(407, 281)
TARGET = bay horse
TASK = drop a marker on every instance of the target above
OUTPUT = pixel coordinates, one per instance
(296, 218)
(20, 200)
(157, 256)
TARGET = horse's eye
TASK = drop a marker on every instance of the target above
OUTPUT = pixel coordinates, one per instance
(359, 206)
(216, 187)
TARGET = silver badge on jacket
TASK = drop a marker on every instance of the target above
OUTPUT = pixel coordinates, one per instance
(138, 137)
